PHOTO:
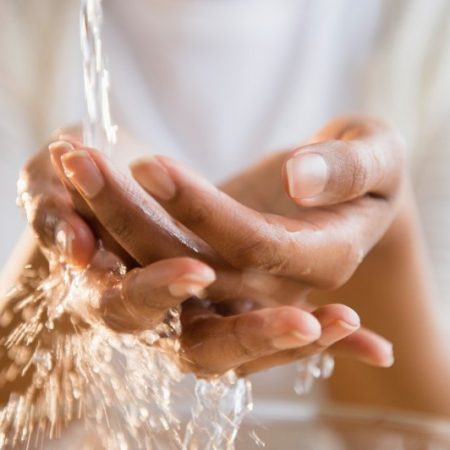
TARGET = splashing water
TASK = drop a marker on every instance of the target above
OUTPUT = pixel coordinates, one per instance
(310, 369)
(65, 368)
(99, 132)
(221, 406)
(79, 369)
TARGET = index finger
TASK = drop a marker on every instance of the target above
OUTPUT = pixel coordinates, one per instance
(321, 248)
(117, 202)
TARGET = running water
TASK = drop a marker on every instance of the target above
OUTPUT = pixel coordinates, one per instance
(67, 370)
(99, 131)
(211, 427)
(310, 369)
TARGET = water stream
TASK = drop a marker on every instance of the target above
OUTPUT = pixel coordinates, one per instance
(66, 369)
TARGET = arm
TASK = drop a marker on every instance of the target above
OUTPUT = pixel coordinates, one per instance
(393, 293)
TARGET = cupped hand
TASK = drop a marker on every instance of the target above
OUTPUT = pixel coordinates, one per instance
(140, 300)
(250, 341)
(363, 344)
(311, 214)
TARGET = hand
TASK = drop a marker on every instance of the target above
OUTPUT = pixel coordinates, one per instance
(141, 299)
(249, 341)
(365, 174)
(360, 339)
(229, 338)
(64, 235)
(341, 197)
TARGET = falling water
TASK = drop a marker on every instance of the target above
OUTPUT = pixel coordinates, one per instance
(99, 131)
(310, 369)
(65, 369)
(209, 427)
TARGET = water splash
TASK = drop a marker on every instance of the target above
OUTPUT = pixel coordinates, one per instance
(310, 369)
(76, 368)
(221, 406)
(63, 365)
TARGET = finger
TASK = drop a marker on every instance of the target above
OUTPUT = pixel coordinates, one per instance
(141, 300)
(60, 229)
(134, 224)
(336, 321)
(322, 248)
(366, 346)
(215, 344)
(57, 150)
(51, 214)
(134, 220)
(353, 158)
(74, 239)
(243, 237)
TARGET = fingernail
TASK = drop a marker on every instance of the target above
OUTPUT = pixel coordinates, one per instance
(154, 178)
(82, 171)
(307, 175)
(190, 286)
(57, 149)
(71, 139)
(389, 361)
(336, 331)
(60, 146)
(64, 237)
(389, 355)
(293, 339)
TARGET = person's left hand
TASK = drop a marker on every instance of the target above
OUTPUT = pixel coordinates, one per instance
(310, 214)
(342, 186)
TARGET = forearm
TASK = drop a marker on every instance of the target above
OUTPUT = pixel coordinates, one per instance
(392, 291)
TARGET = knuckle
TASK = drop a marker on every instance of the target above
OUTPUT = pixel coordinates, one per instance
(120, 224)
(260, 253)
(196, 213)
(356, 164)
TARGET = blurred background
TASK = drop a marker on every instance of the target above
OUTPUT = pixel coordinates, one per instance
(218, 83)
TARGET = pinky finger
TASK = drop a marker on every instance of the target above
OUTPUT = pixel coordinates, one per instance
(366, 346)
